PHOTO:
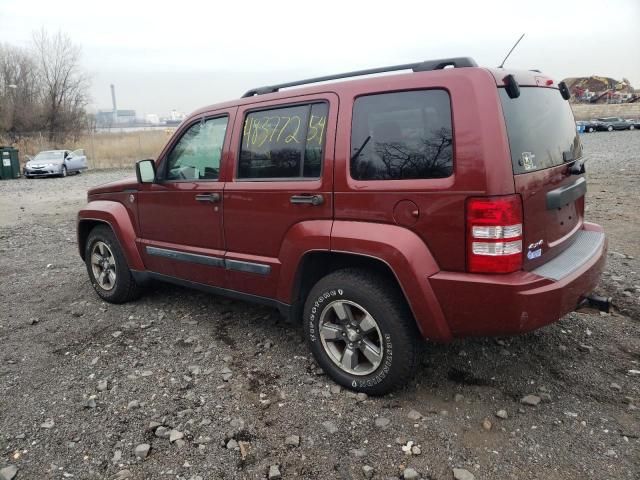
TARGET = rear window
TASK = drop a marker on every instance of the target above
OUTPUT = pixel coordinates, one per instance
(402, 136)
(541, 128)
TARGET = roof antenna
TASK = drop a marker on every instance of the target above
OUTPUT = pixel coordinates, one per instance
(512, 49)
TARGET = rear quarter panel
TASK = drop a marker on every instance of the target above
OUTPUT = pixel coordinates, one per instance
(481, 163)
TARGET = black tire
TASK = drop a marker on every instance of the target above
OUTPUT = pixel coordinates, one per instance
(632, 127)
(383, 300)
(125, 287)
(590, 130)
(64, 171)
(610, 128)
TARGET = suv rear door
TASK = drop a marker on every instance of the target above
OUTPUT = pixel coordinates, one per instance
(283, 171)
(544, 144)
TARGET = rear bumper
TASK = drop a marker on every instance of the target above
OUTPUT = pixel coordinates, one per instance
(479, 305)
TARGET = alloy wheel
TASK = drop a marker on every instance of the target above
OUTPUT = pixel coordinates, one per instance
(351, 337)
(103, 265)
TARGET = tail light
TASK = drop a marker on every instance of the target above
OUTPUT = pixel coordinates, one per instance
(494, 234)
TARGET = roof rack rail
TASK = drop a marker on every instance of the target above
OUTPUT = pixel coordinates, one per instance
(427, 65)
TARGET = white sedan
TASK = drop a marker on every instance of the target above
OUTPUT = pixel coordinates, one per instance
(55, 163)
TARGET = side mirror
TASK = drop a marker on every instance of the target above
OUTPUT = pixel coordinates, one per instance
(146, 171)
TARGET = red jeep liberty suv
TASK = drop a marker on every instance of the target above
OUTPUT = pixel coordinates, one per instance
(438, 203)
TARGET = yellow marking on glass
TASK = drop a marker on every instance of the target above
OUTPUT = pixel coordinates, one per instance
(322, 123)
(274, 128)
(292, 136)
(283, 128)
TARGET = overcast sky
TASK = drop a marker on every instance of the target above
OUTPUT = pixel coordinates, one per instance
(183, 55)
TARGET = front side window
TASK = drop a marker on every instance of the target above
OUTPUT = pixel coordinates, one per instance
(197, 154)
(402, 136)
(283, 143)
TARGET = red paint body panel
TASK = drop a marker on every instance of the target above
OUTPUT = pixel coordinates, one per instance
(121, 220)
(302, 238)
(405, 253)
(480, 152)
(482, 305)
(555, 227)
(258, 215)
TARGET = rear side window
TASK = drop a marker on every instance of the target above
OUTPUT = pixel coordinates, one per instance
(402, 136)
(283, 143)
(541, 128)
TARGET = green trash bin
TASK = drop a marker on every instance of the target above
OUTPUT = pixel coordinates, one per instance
(10, 164)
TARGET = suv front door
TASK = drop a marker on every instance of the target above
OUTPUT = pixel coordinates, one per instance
(180, 214)
(281, 194)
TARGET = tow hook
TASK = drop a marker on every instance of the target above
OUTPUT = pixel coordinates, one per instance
(600, 303)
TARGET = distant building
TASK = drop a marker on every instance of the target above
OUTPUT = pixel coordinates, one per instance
(105, 118)
(176, 116)
(152, 118)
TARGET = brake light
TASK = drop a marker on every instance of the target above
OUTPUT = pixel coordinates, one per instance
(494, 234)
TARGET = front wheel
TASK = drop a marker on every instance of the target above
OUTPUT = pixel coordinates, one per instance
(610, 128)
(361, 331)
(590, 129)
(63, 172)
(107, 267)
(632, 127)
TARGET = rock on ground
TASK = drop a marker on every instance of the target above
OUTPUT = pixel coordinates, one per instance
(142, 450)
(8, 473)
(462, 474)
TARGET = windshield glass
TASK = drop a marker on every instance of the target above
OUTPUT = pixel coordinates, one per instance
(51, 155)
(541, 129)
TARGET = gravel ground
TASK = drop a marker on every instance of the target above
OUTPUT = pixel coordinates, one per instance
(190, 386)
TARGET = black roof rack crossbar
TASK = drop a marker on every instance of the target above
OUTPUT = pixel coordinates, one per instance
(428, 65)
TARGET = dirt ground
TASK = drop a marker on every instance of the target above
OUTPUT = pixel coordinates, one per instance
(215, 387)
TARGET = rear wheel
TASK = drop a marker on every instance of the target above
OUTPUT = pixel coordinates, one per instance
(632, 127)
(610, 128)
(361, 331)
(107, 267)
(590, 130)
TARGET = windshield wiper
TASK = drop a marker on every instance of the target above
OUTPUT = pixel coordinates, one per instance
(364, 144)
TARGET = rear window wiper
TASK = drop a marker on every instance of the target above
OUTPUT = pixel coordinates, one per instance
(578, 163)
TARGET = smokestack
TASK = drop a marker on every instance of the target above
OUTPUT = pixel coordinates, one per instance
(113, 100)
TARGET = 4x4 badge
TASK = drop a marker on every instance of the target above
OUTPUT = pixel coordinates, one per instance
(527, 160)
(535, 249)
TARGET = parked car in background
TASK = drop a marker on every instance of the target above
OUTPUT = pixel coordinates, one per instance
(588, 126)
(634, 124)
(613, 123)
(56, 163)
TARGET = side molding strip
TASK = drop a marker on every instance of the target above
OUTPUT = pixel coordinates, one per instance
(238, 265)
(249, 267)
(186, 257)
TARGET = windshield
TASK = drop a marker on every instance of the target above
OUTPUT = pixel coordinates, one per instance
(51, 155)
(541, 129)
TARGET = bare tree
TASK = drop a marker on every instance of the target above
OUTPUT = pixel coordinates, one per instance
(19, 91)
(64, 85)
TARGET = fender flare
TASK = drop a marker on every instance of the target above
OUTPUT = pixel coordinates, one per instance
(117, 217)
(301, 238)
(410, 260)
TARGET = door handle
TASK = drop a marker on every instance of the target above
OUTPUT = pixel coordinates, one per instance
(310, 199)
(208, 197)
